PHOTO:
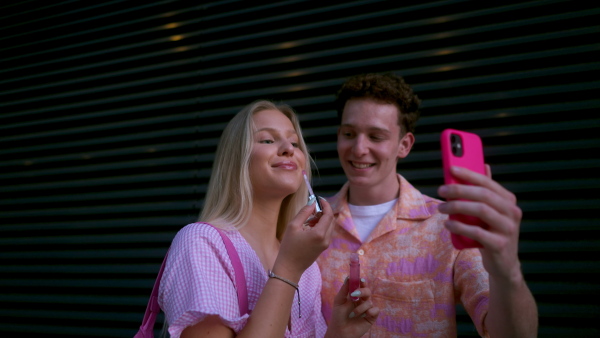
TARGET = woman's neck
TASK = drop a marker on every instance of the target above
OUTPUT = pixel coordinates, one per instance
(263, 218)
(261, 230)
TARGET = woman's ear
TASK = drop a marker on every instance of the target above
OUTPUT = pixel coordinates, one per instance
(406, 143)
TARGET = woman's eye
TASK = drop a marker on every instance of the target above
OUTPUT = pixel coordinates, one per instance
(295, 144)
(266, 141)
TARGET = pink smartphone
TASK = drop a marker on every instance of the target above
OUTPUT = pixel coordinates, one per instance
(462, 149)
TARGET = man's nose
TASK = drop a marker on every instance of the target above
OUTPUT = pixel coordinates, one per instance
(360, 147)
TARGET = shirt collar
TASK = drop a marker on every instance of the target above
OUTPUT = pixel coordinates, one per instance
(411, 204)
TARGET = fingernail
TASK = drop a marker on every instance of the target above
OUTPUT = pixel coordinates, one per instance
(363, 280)
(455, 169)
(311, 200)
(443, 190)
(351, 315)
(363, 315)
(345, 280)
(355, 293)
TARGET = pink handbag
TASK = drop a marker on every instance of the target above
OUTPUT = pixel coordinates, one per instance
(147, 328)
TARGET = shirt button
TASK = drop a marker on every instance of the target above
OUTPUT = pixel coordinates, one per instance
(361, 252)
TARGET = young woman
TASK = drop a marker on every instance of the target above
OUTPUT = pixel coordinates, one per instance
(258, 196)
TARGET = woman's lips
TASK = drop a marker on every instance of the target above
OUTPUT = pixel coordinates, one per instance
(286, 165)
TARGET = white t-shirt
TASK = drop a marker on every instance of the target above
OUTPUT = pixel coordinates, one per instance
(366, 217)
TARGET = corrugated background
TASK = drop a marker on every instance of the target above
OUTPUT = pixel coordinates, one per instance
(111, 111)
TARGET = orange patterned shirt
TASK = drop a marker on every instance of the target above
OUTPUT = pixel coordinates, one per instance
(415, 273)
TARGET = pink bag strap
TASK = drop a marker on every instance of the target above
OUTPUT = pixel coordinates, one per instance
(240, 277)
(147, 328)
(152, 309)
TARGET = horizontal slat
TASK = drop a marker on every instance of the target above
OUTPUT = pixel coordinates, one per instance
(88, 254)
(157, 162)
(504, 131)
(143, 284)
(568, 310)
(513, 94)
(89, 239)
(146, 149)
(574, 288)
(553, 225)
(103, 209)
(87, 269)
(583, 245)
(85, 42)
(239, 66)
(74, 299)
(142, 222)
(446, 51)
(73, 315)
(113, 180)
(562, 267)
(75, 11)
(102, 331)
(106, 196)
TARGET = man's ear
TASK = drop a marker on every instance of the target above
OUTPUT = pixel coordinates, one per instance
(406, 143)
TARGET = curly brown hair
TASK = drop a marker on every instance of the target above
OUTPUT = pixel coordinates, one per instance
(387, 88)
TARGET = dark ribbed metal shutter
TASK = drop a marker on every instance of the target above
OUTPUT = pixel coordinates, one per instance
(110, 113)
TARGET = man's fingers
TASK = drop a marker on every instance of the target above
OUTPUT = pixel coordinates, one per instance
(486, 238)
(484, 196)
(483, 181)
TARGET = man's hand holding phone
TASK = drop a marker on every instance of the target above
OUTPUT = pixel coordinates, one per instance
(497, 207)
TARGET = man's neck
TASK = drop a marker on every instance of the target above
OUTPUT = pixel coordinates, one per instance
(363, 195)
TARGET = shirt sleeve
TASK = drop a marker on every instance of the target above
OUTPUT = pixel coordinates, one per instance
(198, 281)
(471, 284)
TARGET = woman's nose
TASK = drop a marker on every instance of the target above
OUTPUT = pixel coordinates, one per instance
(286, 149)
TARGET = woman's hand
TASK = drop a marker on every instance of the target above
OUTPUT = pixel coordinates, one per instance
(352, 319)
(304, 239)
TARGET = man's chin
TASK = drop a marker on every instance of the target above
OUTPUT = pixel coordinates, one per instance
(359, 180)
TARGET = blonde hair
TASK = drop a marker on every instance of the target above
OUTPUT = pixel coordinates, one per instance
(229, 196)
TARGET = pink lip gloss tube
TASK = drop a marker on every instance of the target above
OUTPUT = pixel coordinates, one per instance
(354, 282)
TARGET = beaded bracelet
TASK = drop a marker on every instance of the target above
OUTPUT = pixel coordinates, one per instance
(294, 285)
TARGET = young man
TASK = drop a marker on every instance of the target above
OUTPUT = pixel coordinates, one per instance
(403, 237)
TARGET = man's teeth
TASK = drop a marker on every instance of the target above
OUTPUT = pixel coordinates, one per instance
(361, 165)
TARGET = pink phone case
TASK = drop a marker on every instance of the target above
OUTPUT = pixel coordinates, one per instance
(462, 149)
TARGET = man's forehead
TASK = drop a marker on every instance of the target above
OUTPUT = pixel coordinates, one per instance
(368, 126)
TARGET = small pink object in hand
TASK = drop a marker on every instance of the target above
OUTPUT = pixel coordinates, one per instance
(354, 282)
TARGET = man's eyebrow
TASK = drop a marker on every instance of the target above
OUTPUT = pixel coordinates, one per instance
(370, 128)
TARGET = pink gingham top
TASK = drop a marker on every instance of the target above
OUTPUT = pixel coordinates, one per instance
(199, 281)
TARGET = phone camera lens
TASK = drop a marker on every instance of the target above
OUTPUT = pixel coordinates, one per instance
(456, 144)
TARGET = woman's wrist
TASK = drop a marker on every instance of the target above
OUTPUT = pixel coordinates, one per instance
(287, 272)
